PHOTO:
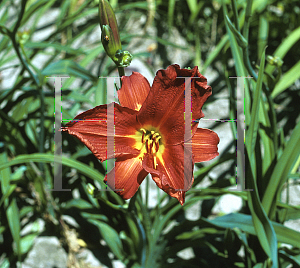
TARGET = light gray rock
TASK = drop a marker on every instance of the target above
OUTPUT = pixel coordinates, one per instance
(46, 253)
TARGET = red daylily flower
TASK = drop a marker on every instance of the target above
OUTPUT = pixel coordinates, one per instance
(149, 132)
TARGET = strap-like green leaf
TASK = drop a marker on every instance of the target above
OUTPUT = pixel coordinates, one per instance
(48, 158)
(282, 169)
(244, 222)
(68, 67)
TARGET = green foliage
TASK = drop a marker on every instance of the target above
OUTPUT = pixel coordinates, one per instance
(231, 38)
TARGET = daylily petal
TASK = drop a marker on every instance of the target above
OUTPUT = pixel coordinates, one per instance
(90, 128)
(172, 170)
(128, 175)
(205, 145)
(135, 89)
(165, 105)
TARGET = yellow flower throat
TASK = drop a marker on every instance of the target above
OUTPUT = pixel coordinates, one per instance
(150, 143)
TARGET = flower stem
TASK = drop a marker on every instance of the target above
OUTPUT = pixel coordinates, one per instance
(236, 17)
(246, 35)
(121, 71)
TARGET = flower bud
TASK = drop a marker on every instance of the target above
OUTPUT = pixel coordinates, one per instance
(275, 61)
(23, 36)
(110, 37)
(90, 189)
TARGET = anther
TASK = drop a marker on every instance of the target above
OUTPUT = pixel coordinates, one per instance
(155, 135)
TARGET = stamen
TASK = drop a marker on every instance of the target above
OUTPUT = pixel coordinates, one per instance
(153, 148)
(156, 146)
(147, 147)
(154, 161)
(151, 141)
(143, 137)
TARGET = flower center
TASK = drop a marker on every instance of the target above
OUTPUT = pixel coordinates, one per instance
(151, 141)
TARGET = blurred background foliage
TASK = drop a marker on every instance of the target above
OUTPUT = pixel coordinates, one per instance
(227, 38)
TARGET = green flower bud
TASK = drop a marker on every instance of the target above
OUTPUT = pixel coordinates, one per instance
(275, 61)
(23, 36)
(110, 37)
(90, 189)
